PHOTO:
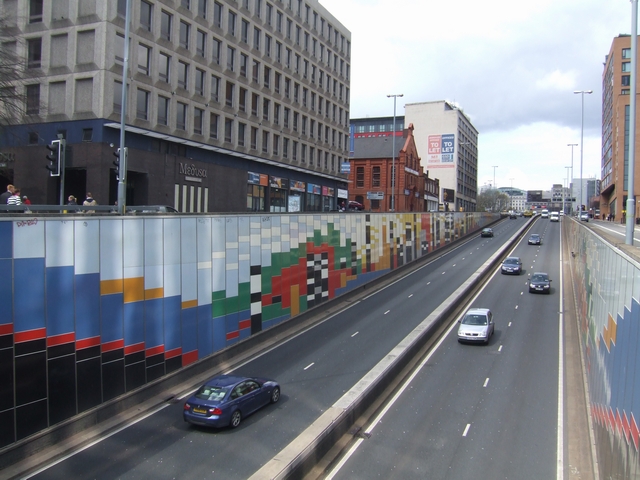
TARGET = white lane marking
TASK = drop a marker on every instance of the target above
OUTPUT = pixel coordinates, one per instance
(466, 430)
(91, 444)
(516, 307)
(509, 324)
(486, 382)
(400, 391)
(387, 312)
(410, 296)
(500, 348)
(354, 334)
(560, 427)
(428, 283)
(310, 365)
(443, 273)
(454, 264)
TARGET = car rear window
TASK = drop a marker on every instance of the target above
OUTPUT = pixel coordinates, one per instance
(211, 393)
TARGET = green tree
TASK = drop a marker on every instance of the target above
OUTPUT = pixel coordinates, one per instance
(493, 200)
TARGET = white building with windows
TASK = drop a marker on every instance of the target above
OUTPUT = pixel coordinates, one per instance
(448, 144)
(253, 94)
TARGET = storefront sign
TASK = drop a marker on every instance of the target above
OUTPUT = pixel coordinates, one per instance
(327, 191)
(278, 182)
(375, 195)
(315, 189)
(192, 171)
(297, 186)
(342, 193)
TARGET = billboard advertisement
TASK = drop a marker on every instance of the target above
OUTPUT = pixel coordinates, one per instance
(448, 195)
(441, 151)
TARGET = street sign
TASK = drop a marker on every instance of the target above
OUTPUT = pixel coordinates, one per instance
(375, 195)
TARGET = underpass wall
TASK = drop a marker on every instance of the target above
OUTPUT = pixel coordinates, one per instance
(92, 308)
(607, 286)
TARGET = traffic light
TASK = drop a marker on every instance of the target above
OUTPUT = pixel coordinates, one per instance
(55, 157)
(120, 158)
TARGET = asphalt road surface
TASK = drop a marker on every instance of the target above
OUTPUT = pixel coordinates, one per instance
(476, 411)
(315, 368)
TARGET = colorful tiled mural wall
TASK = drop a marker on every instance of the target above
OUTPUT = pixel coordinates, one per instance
(91, 308)
(608, 292)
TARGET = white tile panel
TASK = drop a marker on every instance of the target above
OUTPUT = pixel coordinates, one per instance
(28, 238)
(59, 237)
(111, 255)
(87, 246)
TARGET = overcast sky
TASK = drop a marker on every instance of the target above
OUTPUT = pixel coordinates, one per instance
(510, 66)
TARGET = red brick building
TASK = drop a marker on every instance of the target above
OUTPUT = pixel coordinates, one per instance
(371, 171)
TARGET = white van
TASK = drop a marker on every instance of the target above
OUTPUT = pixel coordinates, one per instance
(554, 217)
(544, 213)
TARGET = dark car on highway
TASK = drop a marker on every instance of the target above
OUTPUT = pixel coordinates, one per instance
(511, 265)
(539, 282)
(226, 399)
(534, 239)
(486, 232)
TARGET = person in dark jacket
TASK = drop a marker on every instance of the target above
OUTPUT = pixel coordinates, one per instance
(5, 196)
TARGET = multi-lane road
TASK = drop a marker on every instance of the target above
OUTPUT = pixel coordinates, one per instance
(475, 411)
(490, 409)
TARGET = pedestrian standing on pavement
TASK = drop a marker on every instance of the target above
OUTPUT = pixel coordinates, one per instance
(5, 196)
(89, 202)
(15, 198)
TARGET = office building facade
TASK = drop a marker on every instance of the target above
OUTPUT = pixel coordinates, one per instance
(448, 143)
(231, 105)
(616, 85)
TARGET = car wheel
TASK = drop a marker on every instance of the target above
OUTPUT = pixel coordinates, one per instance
(275, 395)
(236, 418)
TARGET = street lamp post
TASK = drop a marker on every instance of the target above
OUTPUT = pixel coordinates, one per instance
(631, 194)
(571, 179)
(582, 92)
(494, 176)
(564, 194)
(393, 146)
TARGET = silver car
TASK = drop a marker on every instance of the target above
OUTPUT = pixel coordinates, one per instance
(476, 326)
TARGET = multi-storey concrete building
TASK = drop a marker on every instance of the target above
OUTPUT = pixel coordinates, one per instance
(232, 105)
(448, 142)
(616, 81)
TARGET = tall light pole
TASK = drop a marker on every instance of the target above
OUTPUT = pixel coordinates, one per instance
(582, 92)
(122, 164)
(631, 194)
(494, 176)
(571, 179)
(564, 194)
(393, 146)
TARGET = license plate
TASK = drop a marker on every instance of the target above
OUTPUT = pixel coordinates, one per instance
(199, 410)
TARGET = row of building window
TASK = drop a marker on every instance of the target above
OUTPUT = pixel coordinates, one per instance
(299, 123)
(260, 40)
(281, 24)
(261, 74)
(203, 8)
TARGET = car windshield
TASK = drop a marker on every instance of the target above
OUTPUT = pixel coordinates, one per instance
(474, 319)
(539, 278)
(511, 261)
(535, 237)
(211, 393)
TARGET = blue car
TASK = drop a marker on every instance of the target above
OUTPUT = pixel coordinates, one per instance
(226, 399)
